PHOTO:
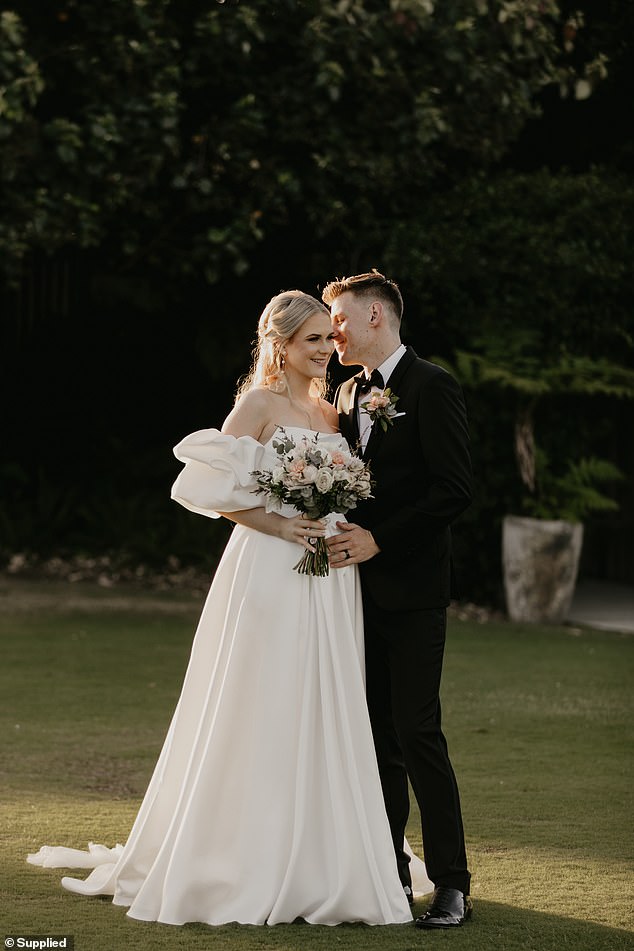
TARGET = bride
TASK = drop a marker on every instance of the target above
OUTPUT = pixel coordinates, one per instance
(265, 804)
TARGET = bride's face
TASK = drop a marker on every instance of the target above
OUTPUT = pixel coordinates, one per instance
(310, 349)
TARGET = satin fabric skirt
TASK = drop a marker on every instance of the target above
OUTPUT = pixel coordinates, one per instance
(265, 804)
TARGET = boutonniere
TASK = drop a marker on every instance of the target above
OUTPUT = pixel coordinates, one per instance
(381, 407)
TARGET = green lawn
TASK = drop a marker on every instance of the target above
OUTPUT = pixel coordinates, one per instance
(539, 722)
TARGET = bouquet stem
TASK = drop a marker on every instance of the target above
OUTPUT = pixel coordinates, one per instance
(314, 562)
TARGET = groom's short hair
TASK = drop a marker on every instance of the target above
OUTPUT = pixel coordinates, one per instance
(371, 284)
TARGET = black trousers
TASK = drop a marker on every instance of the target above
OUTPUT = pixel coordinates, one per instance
(404, 655)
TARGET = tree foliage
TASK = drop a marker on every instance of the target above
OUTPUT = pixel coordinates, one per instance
(180, 134)
(576, 493)
(160, 150)
(538, 264)
(531, 273)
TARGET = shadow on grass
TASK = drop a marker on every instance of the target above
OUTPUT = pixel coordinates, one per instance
(42, 907)
(495, 926)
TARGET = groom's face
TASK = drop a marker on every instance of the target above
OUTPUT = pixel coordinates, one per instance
(351, 324)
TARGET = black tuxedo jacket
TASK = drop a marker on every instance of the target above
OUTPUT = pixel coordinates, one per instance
(422, 469)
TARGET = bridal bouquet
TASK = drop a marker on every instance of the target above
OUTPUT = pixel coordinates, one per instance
(316, 481)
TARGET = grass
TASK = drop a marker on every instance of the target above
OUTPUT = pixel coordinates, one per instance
(539, 722)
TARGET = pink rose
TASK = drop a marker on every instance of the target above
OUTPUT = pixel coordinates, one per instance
(377, 401)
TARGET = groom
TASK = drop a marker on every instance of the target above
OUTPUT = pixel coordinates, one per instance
(418, 450)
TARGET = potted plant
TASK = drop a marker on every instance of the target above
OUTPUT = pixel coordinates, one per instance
(541, 550)
(541, 546)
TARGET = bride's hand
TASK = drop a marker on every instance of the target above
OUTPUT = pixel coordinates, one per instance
(302, 529)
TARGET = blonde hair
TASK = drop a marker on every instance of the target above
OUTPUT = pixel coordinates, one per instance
(279, 322)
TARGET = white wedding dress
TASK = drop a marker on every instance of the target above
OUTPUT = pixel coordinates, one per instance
(265, 804)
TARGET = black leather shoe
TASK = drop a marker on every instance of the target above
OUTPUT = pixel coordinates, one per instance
(409, 894)
(449, 908)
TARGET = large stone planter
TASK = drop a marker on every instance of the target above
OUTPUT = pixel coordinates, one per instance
(540, 559)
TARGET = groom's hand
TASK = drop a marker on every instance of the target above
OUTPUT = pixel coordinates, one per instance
(353, 545)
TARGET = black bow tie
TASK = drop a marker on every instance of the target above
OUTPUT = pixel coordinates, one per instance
(364, 385)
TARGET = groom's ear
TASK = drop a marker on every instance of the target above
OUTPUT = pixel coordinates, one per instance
(376, 312)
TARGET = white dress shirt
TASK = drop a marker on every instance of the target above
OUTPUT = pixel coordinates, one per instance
(386, 369)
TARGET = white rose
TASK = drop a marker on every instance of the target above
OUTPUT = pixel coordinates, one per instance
(324, 480)
(342, 475)
(310, 473)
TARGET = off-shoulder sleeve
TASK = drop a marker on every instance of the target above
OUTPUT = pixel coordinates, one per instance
(217, 474)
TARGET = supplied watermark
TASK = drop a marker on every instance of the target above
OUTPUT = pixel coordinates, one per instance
(40, 941)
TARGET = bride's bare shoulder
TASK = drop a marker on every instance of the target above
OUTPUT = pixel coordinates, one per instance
(258, 397)
(250, 414)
